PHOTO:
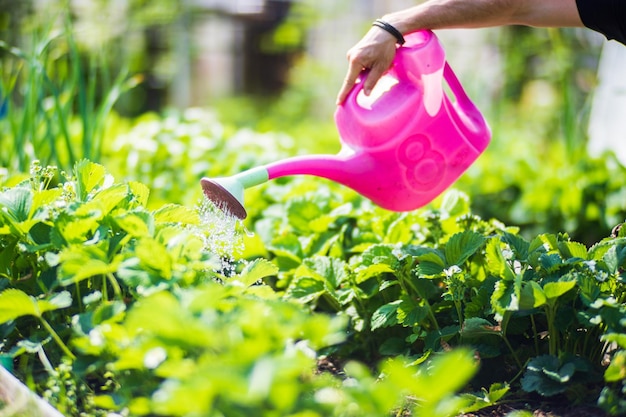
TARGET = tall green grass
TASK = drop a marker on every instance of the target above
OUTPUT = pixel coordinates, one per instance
(58, 98)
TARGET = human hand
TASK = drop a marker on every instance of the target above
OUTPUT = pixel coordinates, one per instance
(374, 52)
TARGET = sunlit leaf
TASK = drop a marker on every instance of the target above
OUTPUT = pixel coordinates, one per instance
(16, 203)
(173, 213)
(15, 303)
(554, 290)
(385, 315)
(88, 175)
(256, 270)
(306, 289)
(532, 296)
(461, 246)
(431, 262)
(79, 262)
(333, 271)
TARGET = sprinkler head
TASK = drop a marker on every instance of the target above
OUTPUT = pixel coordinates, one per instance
(226, 194)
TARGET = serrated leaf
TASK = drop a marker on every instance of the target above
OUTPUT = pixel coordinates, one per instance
(173, 213)
(59, 300)
(88, 176)
(554, 290)
(287, 246)
(379, 254)
(385, 315)
(140, 192)
(461, 246)
(506, 296)
(545, 375)
(431, 263)
(330, 270)
(16, 203)
(411, 314)
(15, 303)
(305, 289)
(256, 270)
(79, 262)
(531, 296)
(103, 201)
(477, 327)
(551, 262)
(518, 244)
(496, 263)
(154, 256)
(573, 250)
(135, 223)
(371, 271)
(300, 212)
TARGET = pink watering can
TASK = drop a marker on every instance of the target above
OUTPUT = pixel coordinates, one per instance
(400, 149)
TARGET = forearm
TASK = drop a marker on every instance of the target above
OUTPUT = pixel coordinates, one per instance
(447, 14)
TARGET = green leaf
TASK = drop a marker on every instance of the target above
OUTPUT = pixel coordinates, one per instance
(154, 256)
(59, 300)
(616, 371)
(385, 315)
(532, 296)
(476, 327)
(333, 271)
(371, 271)
(554, 290)
(478, 401)
(255, 271)
(88, 175)
(571, 249)
(431, 263)
(496, 263)
(135, 223)
(410, 313)
(461, 246)
(300, 212)
(546, 375)
(16, 203)
(305, 289)
(104, 201)
(140, 192)
(518, 244)
(173, 213)
(79, 262)
(15, 303)
(506, 296)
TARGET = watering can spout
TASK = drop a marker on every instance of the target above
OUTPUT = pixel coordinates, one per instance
(227, 193)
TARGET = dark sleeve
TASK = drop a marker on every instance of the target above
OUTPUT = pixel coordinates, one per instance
(605, 16)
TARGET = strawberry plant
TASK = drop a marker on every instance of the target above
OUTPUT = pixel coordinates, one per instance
(422, 282)
(106, 307)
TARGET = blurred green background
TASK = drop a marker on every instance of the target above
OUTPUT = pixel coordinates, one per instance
(166, 92)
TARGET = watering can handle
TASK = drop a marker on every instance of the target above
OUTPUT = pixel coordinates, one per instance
(456, 87)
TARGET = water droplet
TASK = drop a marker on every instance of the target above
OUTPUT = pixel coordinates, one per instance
(223, 234)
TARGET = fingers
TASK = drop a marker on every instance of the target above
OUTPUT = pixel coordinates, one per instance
(354, 70)
(374, 52)
(372, 78)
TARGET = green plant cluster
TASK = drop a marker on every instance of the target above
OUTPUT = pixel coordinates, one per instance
(548, 310)
(107, 306)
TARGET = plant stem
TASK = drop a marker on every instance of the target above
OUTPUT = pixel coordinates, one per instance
(56, 338)
(534, 326)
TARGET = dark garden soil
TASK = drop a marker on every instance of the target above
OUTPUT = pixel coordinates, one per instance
(538, 406)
